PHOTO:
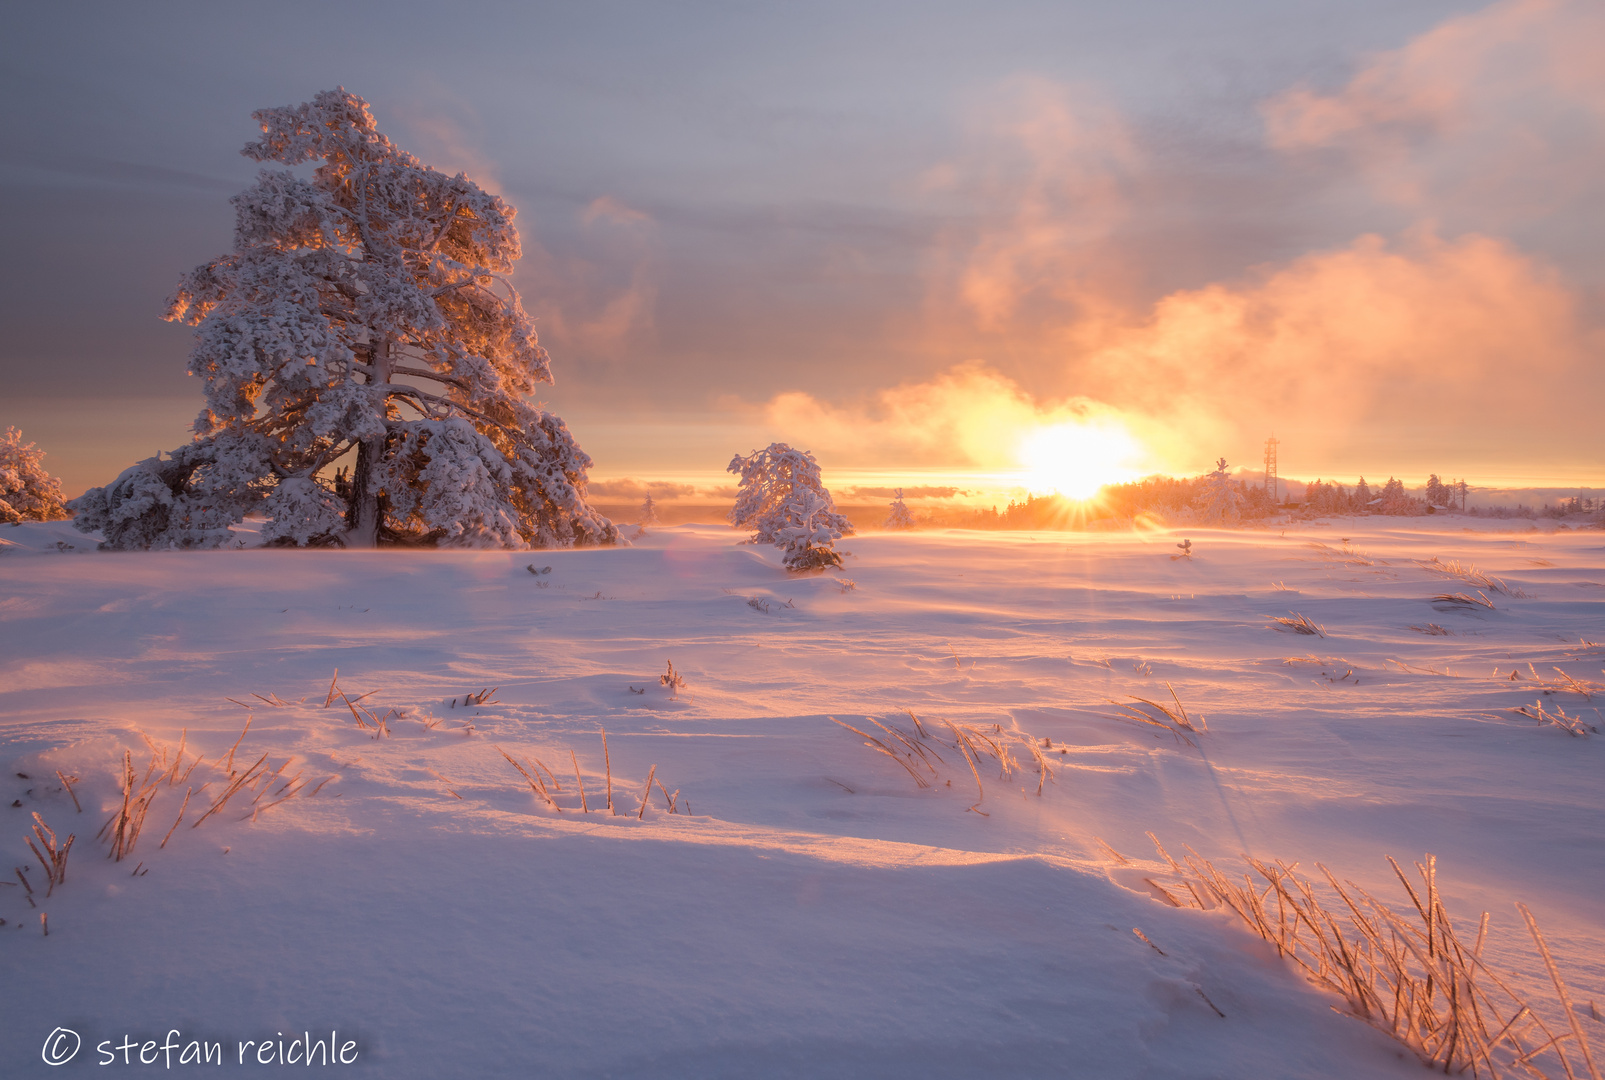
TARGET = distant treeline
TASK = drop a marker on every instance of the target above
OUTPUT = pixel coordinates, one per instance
(1215, 499)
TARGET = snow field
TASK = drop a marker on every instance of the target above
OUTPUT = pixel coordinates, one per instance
(816, 912)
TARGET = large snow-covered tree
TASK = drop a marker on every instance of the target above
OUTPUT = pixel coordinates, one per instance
(27, 491)
(364, 313)
(784, 501)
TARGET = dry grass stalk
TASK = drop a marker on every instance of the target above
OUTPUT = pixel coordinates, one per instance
(53, 859)
(228, 766)
(585, 807)
(1298, 624)
(241, 780)
(1566, 683)
(646, 791)
(902, 759)
(1460, 599)
(1411, 977)
(966, 749)
(667, 798)
(536, 784)
(1176, 721)
(1433, 629)
(1572, 725)
(607, 763)
(67, 782)
(290, 790)
(917, 753)
(1469, 574)
(126, 823)
(329, 700)
(182, 807)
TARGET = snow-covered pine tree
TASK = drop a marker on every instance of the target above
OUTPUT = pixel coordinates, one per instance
(899, 518)
(1395, 500)
(1219, 500)
(783, 500)
(649, 512)
(364, 311)
(1438, 493)
(27, 491)
(1362, 497)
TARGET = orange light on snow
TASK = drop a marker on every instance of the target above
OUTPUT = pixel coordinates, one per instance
(1075, 459)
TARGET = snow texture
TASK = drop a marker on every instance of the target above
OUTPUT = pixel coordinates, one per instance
(365, 310)
(808, 910)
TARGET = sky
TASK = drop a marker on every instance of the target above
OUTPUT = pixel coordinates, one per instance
(907, 237)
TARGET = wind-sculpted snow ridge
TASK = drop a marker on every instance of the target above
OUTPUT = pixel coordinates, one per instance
(767, 895)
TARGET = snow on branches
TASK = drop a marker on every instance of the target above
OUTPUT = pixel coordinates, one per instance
(784, 502)
(27, 492)
(364, 312)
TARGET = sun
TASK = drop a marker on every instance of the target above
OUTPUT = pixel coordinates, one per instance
(1075, 459)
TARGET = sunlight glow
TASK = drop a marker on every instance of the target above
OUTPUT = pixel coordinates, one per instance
(1076, 459)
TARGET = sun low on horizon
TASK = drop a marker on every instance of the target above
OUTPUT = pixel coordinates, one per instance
(1076, 459)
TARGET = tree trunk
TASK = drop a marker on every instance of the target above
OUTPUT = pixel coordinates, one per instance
(364, 509)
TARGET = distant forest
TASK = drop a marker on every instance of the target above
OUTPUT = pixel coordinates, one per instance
(1216, 499)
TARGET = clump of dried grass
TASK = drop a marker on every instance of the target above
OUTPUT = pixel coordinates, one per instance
(1433, 629)
(1565, 683)
(1409, 975)
(1572, 725)
(1297, 624)
(545, 785)
(1469, 574)
(1176, 721)
(1460, 599)
(53, 857)
(917, 751)
(672, 680)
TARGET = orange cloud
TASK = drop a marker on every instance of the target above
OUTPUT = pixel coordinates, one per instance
(1374, 334)
(1503, 109)
(1331, 350)
(1049, 168)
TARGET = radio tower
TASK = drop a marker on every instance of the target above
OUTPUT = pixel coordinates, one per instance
(1272, 484)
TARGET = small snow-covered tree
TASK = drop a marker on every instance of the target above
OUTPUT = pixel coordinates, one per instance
(1362, 496)
(364, 311)
(783, 500)
(1219, 501)
(899, 518)
(649, 512)
(1395, 500)
(27, 492)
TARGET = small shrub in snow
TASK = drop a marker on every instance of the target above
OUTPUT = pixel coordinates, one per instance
(899, 518)
(672, 680)
(784, 502)
(27, 492)
(364, 311)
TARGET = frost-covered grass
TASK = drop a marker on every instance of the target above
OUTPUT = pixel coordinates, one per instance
(744, 887)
